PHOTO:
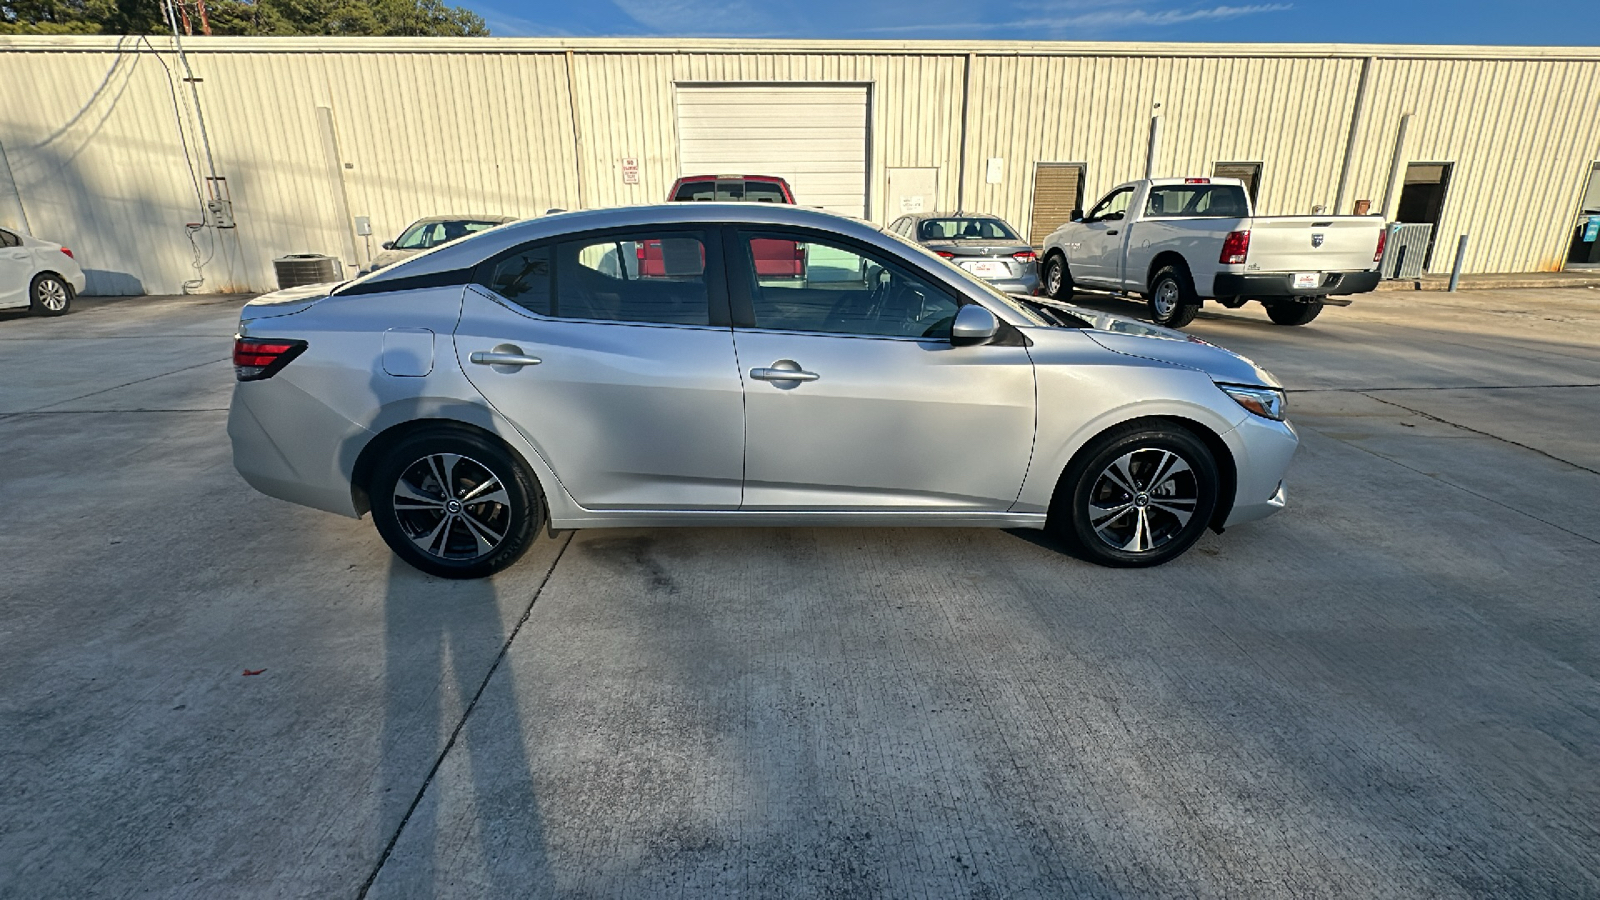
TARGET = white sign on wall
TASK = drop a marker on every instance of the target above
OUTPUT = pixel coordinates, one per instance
(911, 204)
(994, 170)
(630, 170)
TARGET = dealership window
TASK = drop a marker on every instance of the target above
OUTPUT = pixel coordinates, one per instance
(1247, 172)
(816, 285)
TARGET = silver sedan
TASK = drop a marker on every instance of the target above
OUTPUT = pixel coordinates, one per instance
(634, 367)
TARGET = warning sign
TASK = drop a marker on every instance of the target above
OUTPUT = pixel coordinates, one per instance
(630, 170)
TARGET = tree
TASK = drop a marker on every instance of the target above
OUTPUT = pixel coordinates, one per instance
(388, 18)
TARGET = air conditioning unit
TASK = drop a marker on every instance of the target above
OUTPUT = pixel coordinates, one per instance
(307, 268)
(1406, 250)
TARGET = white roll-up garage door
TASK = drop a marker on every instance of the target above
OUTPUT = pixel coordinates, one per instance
(815, 137)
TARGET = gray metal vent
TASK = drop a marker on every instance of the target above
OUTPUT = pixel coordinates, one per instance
(306, 268)
(1406, 250)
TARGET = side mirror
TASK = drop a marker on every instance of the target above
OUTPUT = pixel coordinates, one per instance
(388, 245)
(1077, 215)
(973, 325)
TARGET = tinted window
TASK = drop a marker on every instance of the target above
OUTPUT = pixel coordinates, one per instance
(838, 290)
(524, 279)
(1217, 200)
(7, 239)
(634, 278)
(970, 229)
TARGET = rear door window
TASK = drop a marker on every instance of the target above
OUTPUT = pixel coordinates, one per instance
(640, 277)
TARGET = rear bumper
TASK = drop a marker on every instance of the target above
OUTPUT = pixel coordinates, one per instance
(1027, 284)
(1279, 284)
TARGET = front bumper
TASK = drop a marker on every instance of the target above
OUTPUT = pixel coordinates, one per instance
(1280, 284)
(1262, 450)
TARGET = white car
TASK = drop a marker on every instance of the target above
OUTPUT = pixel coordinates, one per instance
(37, 274)
(1180, 241)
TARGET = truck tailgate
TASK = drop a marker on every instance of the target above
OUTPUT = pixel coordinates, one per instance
(1312, 243)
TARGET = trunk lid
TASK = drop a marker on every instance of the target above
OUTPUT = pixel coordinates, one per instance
(1312, 243)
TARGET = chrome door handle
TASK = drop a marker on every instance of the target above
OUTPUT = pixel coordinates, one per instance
(783, 370)
(497, 358)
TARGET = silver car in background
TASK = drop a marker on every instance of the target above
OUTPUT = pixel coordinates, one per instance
(425, 234)
(983, 245)
(632, 367)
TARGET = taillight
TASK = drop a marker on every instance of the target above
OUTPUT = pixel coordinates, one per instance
(1197, 181)
(1025, 256)
(1235, 247)
(68, 253)
(256, 359)
(1383, 239)
(945, 254)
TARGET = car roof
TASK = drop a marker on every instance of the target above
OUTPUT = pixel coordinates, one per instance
(465, 218)
(772, 179)
(473, 249)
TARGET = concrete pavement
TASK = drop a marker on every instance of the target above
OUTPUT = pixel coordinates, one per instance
(1390, 689)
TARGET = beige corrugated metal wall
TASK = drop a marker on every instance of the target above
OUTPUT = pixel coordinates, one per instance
(91, 131)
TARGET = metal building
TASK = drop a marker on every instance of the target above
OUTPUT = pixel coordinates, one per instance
(308, 137)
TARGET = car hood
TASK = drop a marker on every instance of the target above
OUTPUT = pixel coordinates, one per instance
(1134, 337)
(286, 301)
(389, 258)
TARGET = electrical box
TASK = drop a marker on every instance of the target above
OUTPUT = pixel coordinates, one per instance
(364, 226)
(219, 213)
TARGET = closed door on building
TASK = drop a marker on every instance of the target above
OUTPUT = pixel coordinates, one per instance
(814, 137)
(911, 190)
(1057, 193)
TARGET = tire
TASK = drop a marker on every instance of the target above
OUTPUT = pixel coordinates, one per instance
(432, 529)
(1172, 299)
(1057, 278)
(49, 295)
(1107, 509)
(1293, 312)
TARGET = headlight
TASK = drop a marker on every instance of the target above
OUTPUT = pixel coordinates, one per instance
(1263, 401)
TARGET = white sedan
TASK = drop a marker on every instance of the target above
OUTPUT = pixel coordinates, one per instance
(37, 274)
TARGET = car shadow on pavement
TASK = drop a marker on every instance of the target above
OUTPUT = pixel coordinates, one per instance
(441, 635)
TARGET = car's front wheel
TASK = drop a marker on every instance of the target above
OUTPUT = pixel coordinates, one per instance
(1138, 495)
(1057, 278)
(454, 503)
(50, 295)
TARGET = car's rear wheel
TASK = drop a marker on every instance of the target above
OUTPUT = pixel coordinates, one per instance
(1057, 278)
(1293, 312)
(50, 295)
(454, 503)
(1138, 495)
(1172, 299)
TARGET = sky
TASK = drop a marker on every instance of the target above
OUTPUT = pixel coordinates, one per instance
(1538, 22)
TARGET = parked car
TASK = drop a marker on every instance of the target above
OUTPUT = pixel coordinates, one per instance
(41, 275)
(1181, 241)
(535, 376)
(425, 234)
(983, 245)
(777, 258)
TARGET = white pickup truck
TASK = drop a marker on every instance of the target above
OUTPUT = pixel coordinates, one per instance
(1180, 241)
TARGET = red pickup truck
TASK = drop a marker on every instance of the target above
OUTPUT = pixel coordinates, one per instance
(773, 258)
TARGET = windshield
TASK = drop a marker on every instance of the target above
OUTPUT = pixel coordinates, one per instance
(433, 232)
(965, 229)
(931, 257)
